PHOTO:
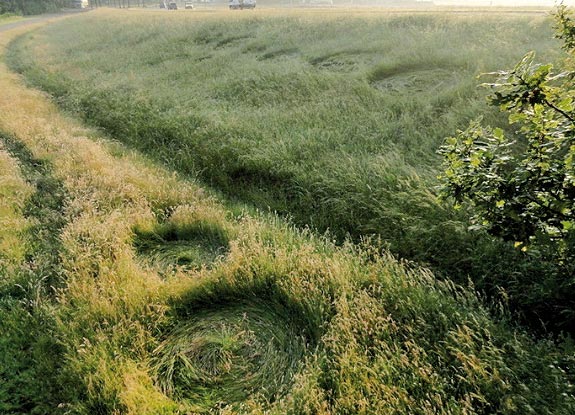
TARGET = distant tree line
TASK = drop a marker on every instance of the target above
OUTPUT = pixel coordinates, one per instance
(31, 6)
(27, 7)
(123, 3)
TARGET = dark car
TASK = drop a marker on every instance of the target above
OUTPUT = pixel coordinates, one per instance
(172, 5)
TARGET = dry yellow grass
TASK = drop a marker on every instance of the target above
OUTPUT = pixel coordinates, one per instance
(110, 191)
(107, 196)
(13, 193)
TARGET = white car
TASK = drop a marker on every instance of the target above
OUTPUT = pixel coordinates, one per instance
(242, 4)
(80, 4)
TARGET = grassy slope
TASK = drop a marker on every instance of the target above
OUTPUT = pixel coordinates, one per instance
(372, 336)
(332, 117)
(8, 18)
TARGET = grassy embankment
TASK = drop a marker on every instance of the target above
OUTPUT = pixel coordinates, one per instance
(333, 116)
(131, 291)
(9, 18)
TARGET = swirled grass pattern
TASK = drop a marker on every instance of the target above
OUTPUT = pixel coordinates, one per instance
(225, 355)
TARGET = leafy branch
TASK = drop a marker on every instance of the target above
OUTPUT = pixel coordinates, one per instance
(521, 185)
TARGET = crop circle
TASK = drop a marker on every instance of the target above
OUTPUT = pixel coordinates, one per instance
(226, 355)
(170, 246)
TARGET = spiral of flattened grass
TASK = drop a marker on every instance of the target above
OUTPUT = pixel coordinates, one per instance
(170, 245)
(225, 355)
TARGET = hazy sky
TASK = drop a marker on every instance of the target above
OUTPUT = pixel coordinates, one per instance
(549, 3)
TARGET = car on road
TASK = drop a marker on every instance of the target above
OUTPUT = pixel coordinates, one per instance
(188, 5)
(242, 4)
(172, 5)
(80, 4)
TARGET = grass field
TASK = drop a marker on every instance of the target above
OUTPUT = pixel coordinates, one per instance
(329, 116)
(7, 17)
(128, 288)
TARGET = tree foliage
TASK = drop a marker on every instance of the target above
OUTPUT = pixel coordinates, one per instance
(28, 7)
(521, 185)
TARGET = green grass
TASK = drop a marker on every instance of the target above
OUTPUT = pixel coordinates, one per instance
(269, 317)
(45, 211)
(227, 354)
(27, 292)
(178, 244)
(333, 119)
(8, 18)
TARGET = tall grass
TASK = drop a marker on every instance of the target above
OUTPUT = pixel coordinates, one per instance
(14, 192)
(333, 119)
(30, 271)
(284, 322)
(8, 17)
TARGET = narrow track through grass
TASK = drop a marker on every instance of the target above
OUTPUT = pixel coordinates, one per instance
(45, 210)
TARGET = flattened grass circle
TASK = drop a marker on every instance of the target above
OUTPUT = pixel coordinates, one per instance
(168, 246)
(223, 356)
